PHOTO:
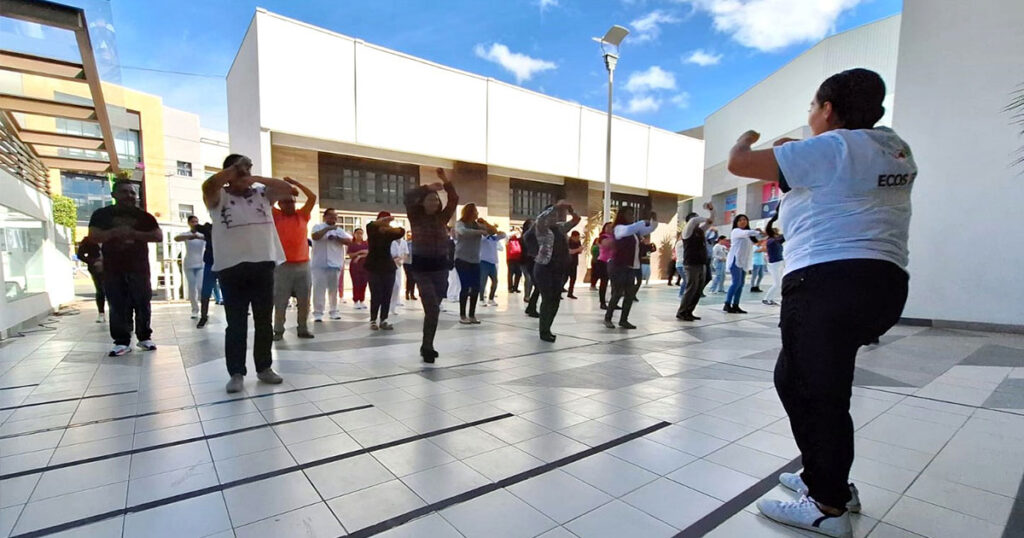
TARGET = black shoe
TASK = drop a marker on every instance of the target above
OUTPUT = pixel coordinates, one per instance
(635, 300)
(695, 318)
(278, 336)
(306, 334)
(428, 355)
(604, 307)
(702, 296)
(686, 317)
(737, 310)
(626, 325)
(548, 337)
(572, 296)
(727, 308)
(202, 323)
(532, 313)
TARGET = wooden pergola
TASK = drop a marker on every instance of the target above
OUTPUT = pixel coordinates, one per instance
(22, 149)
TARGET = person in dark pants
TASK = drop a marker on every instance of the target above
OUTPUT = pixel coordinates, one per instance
(380, 267)
(530, 247)
(694, 261)
(246, 252)
(513, 257)
(605, 249)
(210, 286)
(470, 229)
(625, 262)
(428, 220)
(575, 248)
(123, 229)
(90, 254)
(410, 282)
(847, 226)
(552, 261)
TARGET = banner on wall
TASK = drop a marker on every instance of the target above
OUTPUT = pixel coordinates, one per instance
(730, 207)
(770, 196)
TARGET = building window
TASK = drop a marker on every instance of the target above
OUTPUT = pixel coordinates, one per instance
(366, 183)
(529, 198)
(185, 211)
(89, 193)
(21, 252)
(184, 169)
(641, 205)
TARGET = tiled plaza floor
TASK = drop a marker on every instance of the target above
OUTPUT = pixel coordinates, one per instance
(671, 429)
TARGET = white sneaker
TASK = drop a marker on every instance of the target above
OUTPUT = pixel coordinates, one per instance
(195, 315)
(318, 318)
(335, 315)
(805, 514)
(494, 303)
(146, 345)
(443, 309)
(119, 350)
(795, 483)
(102, 318)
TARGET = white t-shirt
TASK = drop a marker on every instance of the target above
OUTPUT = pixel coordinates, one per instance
(742, 249)
(849, 197)
(400, 249)
(194, 253)
(328, 252)
(244, 228)
(679, 251)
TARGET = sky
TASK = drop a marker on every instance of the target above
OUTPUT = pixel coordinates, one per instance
(683, 59)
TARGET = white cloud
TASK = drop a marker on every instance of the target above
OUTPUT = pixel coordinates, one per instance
(703, 58)
(654, 78)
(648, 27)
(769, 25)
(545, 4)
(520, 65)
(681, 100)
(641, 104)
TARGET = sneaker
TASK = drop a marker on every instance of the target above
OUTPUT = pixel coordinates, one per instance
(442, 308)
(385, 326)
(235, 384)
(119, 350)
(483, 304)
(306, 334)
(335, 316)
(608, 324)
(548, 337)
(278, 336)
(474, 321)
(318, 319)
(465, 321)
(795, 483)
(195, 315)
(572, 297)
(102, 318)
(269, 376)
(202, 322)
(626, 325)
(146, 345)
(805, 514)
(494, 303)
(373, 326)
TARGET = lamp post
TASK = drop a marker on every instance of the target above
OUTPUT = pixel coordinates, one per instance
(610, 49)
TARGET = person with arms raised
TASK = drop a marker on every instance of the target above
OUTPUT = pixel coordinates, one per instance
(292, 278)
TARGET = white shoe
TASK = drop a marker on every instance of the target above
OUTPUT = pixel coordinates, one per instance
(102, 318)
(146, 345)
(194, 315)
(795, 483)
(119, 350)
(399, 304)
(335, 315)
(805, 514)
(318, 319)
(494, 303)
(443, 309)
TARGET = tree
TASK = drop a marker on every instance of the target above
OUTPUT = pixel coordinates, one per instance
(65, 213)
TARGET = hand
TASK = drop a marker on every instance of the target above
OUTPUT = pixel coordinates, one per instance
(783, 140)
(564, 204)
(443, 175)
(386, 220)
(709, 206)
(437, 186)
(653, 217)
(748, 138)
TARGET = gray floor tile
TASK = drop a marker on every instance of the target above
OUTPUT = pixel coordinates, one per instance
(499, 515)
(314, 521)
(559, 495)
(617, 519)
(374, 504)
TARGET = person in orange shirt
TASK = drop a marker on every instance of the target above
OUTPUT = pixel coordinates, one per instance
(292, 278)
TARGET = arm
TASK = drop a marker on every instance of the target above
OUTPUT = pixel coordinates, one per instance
(215, 183)
(453, 197)
(641, 227)
(461, 230)
(319, 234)
(745, 162)
(692, 225)
(276, 188)
(185, 236)
(310, 195)
(571, 223)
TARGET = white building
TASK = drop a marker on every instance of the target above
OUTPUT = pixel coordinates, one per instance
(950, 68)
(377, 121)
(193, 153)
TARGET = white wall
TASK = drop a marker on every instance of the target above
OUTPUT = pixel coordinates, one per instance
(313, 83)
(958, 64)
(778, 104)
(51, 262)
(213, 148)
(181, 143)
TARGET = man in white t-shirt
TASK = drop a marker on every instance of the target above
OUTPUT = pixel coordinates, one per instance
(847, 218)
(246, 252)
(328, 260)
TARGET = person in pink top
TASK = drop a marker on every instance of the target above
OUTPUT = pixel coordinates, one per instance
(605, 249)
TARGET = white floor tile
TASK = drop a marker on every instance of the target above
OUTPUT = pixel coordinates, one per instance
(497, 515)
(200, 516)
(374, 504)
(617, 519)
(559, 495)
(251, 502)
(348, 475)
(712, 479)
(937, 522)
(439, 483)
(672, 503)
(314, 521)
(612, 475)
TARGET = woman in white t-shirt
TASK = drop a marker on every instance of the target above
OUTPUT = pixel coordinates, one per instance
(739, 260)
(846, 213)
(192, 264)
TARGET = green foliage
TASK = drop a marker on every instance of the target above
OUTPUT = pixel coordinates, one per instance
(65, 213)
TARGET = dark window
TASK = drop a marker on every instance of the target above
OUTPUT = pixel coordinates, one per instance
(529, 198)
(366, 184)
(89, 192)
(641, 204)
(184, 169)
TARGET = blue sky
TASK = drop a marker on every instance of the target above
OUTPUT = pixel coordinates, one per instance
(683, 60)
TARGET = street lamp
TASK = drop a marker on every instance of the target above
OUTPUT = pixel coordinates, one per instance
(610, 48)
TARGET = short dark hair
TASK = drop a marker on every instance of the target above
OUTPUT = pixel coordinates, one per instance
(118, 182)
(357, 230)
(722, 238)
(233, 159)
(328, 209)
(690, 215)
(856, 96)
(190, 217)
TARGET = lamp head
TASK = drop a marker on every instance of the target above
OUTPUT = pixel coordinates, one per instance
(615, 35)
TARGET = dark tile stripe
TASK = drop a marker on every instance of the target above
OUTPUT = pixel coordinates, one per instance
(503, 483)
(176, 443)
(733, 506)
(19, 387)
(248, 480)
(36, 404)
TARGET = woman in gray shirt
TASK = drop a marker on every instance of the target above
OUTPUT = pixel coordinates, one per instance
(469, 229)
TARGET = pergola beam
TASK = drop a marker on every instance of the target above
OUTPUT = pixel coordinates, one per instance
(42, 66)
(80, 165)
(46, 107)
(61, 140)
